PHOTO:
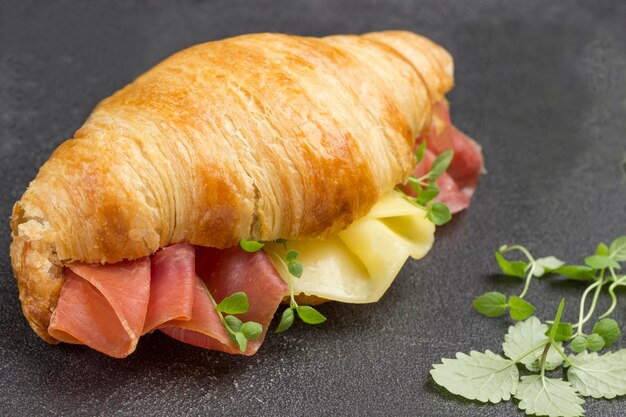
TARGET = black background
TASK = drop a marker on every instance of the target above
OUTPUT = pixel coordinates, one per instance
(541, 85)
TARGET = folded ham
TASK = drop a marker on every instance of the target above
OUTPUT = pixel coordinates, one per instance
(108, 307)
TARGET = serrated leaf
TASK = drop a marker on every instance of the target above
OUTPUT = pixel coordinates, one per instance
(251, 330)
(599, 376)
(250, 245)
(617, 250)
(485, 377)
(520, 308)
(236, 303)
(601, 262)
(440, 164)
(310, 315)
(526, 335)
(491, 304)
(550, 263)
(286, 320)
(609, 330)
(548, 397)
(511, 268)
(576, 272)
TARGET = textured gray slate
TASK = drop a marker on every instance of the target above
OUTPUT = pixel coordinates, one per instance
(541, 85)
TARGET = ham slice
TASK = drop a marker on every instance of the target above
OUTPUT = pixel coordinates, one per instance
(103, 306)
(173, 286)
(459, 182)
(224, 272)
(108, 307)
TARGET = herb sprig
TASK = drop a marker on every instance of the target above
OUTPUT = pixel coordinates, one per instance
(426, 189)
(539, 347)
(295, 269)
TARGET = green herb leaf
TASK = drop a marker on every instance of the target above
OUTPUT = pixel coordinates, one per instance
(440, 164)
(438, 213)
(251, 330)
(485, 377)
(295, 268)
(578, 344)
(491, 304)
(233, 322)
(514, 269)
(520, 308)
(291, 255)
(595, 342)
(286, 320)
(602, 250)
(236, 303)
(427, 194)
(550, 263)
(250, 245)
(576, 272)
(609, 330)
(310, 315)
(617, 250)
(599, 376)
(548, 397)
(601, 262)
(523, 337)
(557, 320)
(563, 332)
(420, 151)
(241, 341)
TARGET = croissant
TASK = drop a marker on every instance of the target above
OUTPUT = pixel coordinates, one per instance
(256, 137)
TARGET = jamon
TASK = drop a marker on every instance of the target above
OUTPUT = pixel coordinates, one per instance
(108, 307)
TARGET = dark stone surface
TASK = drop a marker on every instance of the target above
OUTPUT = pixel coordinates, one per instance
(541, 85)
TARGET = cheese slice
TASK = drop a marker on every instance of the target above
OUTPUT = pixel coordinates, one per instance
(359, 264)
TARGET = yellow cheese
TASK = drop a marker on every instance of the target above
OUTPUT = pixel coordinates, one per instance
(359, 264)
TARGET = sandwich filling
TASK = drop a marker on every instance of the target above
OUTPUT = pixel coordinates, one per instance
(108, 307)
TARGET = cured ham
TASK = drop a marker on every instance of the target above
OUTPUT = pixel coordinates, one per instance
(108, 307)
(459, 182)
(224, 272)
(103, 306)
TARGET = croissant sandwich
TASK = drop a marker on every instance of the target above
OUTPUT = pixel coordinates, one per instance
(236, 175)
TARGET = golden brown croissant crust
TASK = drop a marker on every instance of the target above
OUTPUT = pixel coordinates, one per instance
(257, 137)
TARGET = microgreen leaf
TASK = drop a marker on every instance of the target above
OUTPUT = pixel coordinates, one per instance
(578, 344)
(548, 397)
(609, 330)
(520, 308)
(563, 332)
(599, 376)
(557, 320)
(236, 303)
(525, 336)
(420, 151)
(550, 263)
(251, 330)
(438, 213)
(576, 272)
(241, 341)
(511, 268)
(440, 164)
(601, 262)
(310, 315)
(602, 250)
(485, 377)
(233, 322)
(491, 304)
(595, 342)
(295, 268)
(250, 245)
(617, 250)
(428, 193)
(537, 270)
(291, 255)
(286, 320)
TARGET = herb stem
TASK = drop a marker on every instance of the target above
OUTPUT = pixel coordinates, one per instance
(292, 301)
(616, 283)
(521, 249)
(530, 351)
(527, 283)
(582, 318)
(563, 355)
(544, 355)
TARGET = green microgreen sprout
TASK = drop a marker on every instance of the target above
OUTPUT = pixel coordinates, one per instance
(426, 188)
(538, 346)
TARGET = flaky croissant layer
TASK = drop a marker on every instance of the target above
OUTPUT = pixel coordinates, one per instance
(257, 137)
